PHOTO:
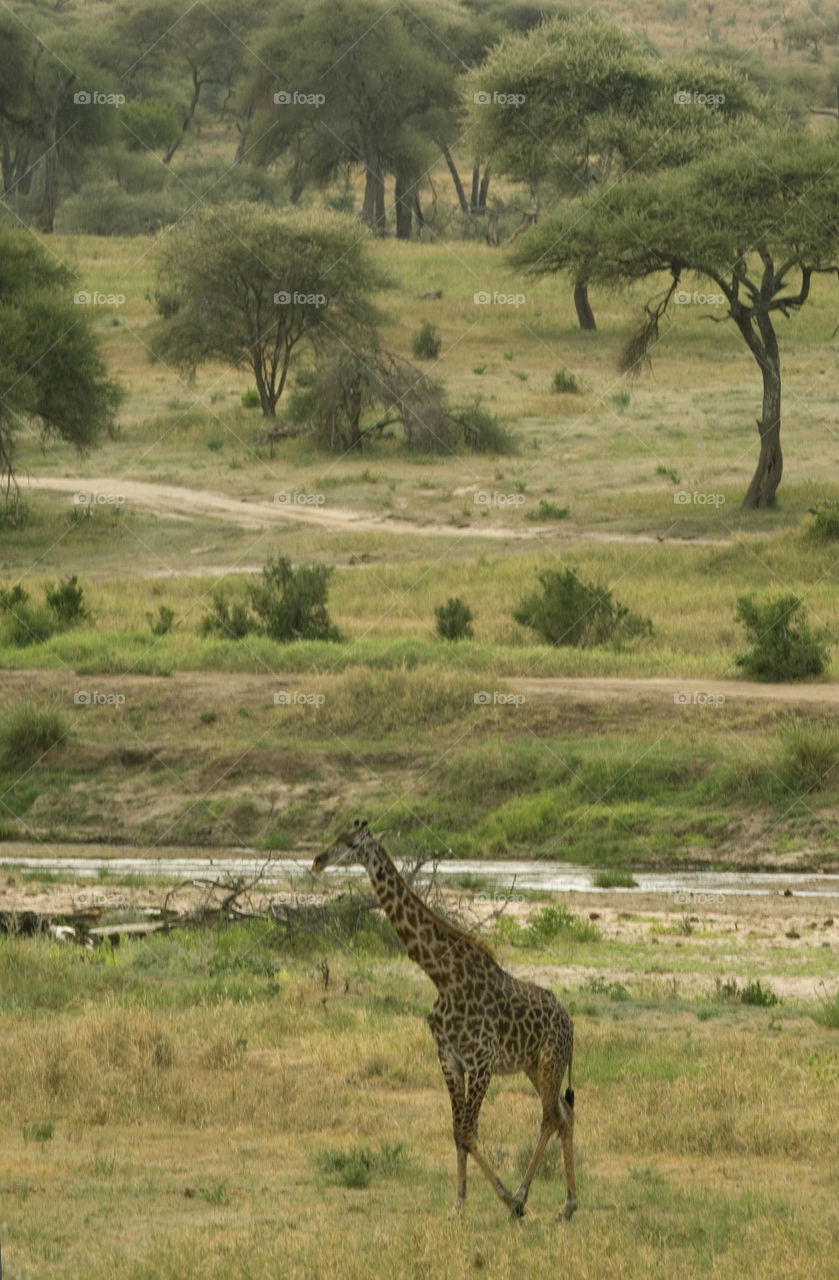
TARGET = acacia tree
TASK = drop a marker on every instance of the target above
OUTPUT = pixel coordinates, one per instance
(381, 90)
(52, 378)
(250, 286)
(758, 220)
(579, 102)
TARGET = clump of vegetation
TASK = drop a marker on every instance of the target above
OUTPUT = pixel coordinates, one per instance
(570, 611)
(825, 526)
(162, 624)
(546, 511)
(810, 753)
(66, 601)
(426, 342)
(783, 645)
(28, 731)
(288, 604)
(615, 878)
(454, 619)
(484, 432)
(356, 1167)
(564, 383)
(753, 992)
(828, 1014)
(545, 927)
(27, 624)
(250, 398)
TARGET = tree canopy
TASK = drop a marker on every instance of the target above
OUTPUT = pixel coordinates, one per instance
(52, 377)
(759, 220)
(250, 285)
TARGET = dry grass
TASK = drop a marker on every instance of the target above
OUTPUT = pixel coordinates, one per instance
(185, 1135)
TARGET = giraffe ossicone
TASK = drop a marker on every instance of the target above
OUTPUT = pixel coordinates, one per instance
(484, 1020)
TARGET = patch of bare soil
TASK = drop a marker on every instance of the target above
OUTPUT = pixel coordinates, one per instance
(180, 502)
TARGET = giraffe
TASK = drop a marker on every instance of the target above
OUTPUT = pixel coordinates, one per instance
(483, 1021)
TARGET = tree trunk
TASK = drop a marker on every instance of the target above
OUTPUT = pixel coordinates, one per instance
(404, 210)
(187, 120)
(585, 315)
(476, 178)
(482, 194)
(373, 206)
(458, 185)
(764, 348)
(770, 463)
(17, 174)
(49, 132)
(49, 199)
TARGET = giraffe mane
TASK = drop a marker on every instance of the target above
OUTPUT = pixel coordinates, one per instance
(459, 935)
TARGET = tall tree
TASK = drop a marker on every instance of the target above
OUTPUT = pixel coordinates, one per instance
(251, 286)
(52, 377)
(759, 220)
(579, 102)
(350, 85)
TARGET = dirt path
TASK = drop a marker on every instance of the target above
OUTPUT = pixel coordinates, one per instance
(179, 502)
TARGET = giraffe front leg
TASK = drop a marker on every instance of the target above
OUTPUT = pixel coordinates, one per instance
(478, 1085)
(453, 1076)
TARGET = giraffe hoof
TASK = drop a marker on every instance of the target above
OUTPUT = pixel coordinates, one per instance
(569, 1208)
(517, 1209)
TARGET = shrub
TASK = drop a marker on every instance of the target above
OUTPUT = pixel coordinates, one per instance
(825, 524)
(783, 646)
(454, 619)
(484, 432)
(162, 624)
(231, 622)
(810, 752)
(426, 342)
(250, 398)
(570, 611)
(565, 383)
(29, 625)
(13, 598)
(546, 511)
(355, 1168)
(107, 210)
(292, 602)
(28, 731)
(66, 601)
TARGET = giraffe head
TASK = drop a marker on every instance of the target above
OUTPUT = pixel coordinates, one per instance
(352, 847)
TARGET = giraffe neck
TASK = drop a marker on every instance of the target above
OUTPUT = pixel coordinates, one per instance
(429, 941)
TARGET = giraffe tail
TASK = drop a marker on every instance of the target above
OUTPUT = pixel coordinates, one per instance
(569, 1092)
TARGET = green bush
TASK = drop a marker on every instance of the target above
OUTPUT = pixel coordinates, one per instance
(29, 625)
(231, 622)
(572, 612)
(546, 511)
(783, 646)
(426, 342)
(810, 753)
(66, 602)
(162, 624)
(292, 602)
(454, 619)
(484, 432)
(825, 524)
(565, 383)
(28, 731)
(356, 1167)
